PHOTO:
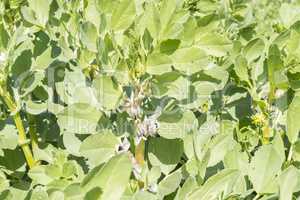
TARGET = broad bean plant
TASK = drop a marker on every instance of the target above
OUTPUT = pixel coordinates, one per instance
(149, 99)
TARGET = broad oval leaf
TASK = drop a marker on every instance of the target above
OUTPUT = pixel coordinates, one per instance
(112, 177)
(79, 118)
(102, 144)
(215, 185)
(264, 167)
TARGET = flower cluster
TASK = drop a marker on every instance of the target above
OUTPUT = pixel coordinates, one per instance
(147, 127)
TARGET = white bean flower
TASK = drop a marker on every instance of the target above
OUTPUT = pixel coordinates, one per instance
(148, 127)
(132, 106)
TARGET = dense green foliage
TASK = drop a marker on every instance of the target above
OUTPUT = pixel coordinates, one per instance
(149, 99)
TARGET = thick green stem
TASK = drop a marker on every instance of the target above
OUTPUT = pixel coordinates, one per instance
(22, 134)
(140, 153)
(32, 131)
(23, 141)
(266, 134)
(140, 158)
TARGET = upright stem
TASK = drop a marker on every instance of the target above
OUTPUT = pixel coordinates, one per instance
(22, 134)
(23, 141)
(140, 158)
(140, 153)
(266, 133)
(32, 131)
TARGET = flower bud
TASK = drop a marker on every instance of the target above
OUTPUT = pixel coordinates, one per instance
(258, 119)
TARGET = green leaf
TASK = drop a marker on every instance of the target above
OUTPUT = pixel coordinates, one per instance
(4, 37)
(169, 46)
(289, 14)
(36, 108)
(39, 193)
(108, 92)
(103, 144)
(22, 63)
(13, 162)
(37, 13)
(123, 15)
(44, 60)
(148, 40)
(214, 44)
(220, 145)
(93, 194)
(151, 20)
(276, 74)
(254, 49)
(189, 185)
(264, 167)
(293, 45)
(189, 60)
(72, 143)
(112, 177)
(170, 183)
(69, 169)
(8, 136)
(92, 14)
(75, 88)
(168, 7)
(74, 191)
(289, 183)
(215, 185)
(241, 68)
(88, 36)
(38, 174)
(235, 159)
(167, 151)
(79, 118)
(179, 89)
(222, 142)
(141, 195)
(170, 22)
(158, 63)
(293, 116)
(172, 127)
(278, 144)
(203, 90)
